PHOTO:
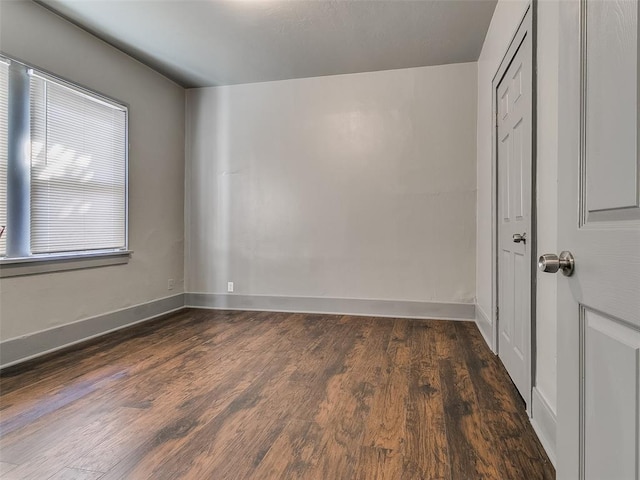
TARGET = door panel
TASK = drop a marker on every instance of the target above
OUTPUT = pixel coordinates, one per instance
(611, 384)
(611, 125)
(504, 153)
(520, 308)
(514, 110)
(517, 171)
(598, 433)
(506, 297)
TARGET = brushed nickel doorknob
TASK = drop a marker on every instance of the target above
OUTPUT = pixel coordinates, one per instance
(551, 263)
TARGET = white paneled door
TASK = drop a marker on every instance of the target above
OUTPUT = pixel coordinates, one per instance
(598, 435)
(513, 110)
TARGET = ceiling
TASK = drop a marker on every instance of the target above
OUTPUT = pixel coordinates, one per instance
(223, 42)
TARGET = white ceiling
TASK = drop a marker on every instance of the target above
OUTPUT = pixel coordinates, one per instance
(223, 42)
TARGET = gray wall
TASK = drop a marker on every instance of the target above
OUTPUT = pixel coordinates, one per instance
(156, 227)
(357, 186)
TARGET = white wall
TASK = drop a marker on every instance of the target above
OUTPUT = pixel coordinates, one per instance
(156, 173)
(547, 201)
(356, 186)
(504, 24)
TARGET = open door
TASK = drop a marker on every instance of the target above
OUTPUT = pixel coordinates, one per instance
(598, 433)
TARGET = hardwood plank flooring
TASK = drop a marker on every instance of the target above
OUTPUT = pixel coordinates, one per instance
(256, 395)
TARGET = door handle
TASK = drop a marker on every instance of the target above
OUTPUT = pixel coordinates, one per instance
(551, 263)
(517, 238)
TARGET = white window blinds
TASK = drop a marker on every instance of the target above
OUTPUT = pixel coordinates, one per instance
(4, 155)
(78, 170)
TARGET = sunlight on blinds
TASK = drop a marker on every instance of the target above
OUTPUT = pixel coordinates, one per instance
(78, 170)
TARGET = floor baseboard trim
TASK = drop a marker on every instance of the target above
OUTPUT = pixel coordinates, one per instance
(484, 325)
(544, 423)
(27, 347)
(339, 306)
(20, 349)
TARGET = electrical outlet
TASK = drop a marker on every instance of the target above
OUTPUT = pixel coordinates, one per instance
(230, 287)
(170, 284)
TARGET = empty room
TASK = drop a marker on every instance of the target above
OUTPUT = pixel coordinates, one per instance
(319, 239)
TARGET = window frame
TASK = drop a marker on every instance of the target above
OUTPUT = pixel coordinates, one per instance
(73, 260)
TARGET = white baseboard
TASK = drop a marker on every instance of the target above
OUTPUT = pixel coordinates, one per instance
(544, 423)
(485, 326)
(339, 306)
(20, 349)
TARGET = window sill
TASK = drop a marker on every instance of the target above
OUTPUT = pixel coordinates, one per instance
(16, 267)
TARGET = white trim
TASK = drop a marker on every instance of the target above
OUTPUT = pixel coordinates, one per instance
(544, 423)
(19, 349)
(57, 262)
(340, 306)
(485, 326)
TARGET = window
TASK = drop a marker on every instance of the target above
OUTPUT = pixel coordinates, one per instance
(71, 200)
(4, 94)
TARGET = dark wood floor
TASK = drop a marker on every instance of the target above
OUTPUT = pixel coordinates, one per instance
(235, 395)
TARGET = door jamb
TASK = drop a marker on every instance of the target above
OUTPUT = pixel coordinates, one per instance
(527, 26)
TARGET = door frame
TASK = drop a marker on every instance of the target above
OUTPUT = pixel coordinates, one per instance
(526, 27)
